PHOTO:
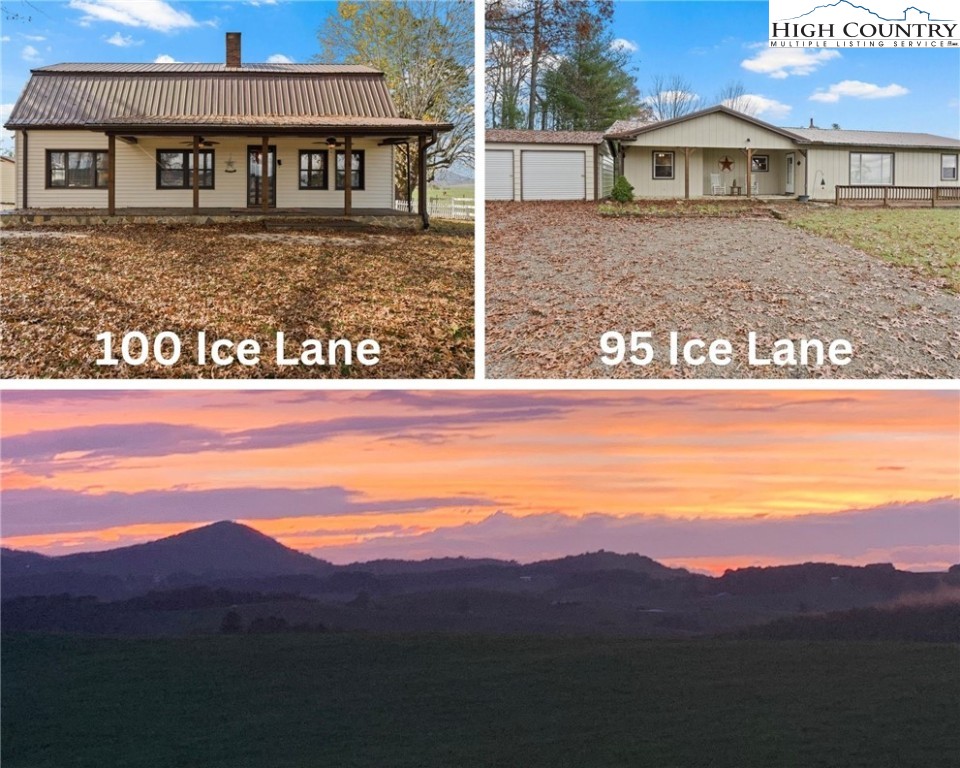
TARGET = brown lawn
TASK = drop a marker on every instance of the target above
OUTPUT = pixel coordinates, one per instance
(410, 291)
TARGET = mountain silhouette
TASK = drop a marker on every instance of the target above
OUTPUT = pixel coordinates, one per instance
(221, 549)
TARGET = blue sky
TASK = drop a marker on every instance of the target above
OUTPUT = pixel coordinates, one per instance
(120, 30)
(711, 43)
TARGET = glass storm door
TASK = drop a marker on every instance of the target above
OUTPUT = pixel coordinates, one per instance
(254, 176)
(789, 187)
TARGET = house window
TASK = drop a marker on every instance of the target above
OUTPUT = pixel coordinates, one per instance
(873, 168)
(313, 169)
(356, 178)
(948, 167)
(663, 165)
(760, 163)
(77, 169)
(175, 168)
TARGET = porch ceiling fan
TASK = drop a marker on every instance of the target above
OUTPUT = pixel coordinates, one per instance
(203, 142)
(333, 141)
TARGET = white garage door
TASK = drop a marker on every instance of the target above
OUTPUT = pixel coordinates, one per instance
(558, 175)
(499, 181)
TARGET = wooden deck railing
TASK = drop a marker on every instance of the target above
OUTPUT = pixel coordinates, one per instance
(885, 195)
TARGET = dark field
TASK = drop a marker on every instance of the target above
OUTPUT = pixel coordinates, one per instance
(352, 700)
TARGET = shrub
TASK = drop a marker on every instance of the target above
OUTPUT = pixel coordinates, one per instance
(622, 190)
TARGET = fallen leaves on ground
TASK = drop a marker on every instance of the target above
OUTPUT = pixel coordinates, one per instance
(410, 291)
(559, 275)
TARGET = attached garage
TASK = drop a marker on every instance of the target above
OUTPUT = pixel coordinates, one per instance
(547, 165)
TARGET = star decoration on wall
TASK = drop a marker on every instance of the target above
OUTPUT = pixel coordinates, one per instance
(726, 164)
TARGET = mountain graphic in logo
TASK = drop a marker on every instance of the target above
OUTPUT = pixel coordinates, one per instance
(848, 9)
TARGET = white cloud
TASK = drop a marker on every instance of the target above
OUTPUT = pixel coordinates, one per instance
(857, 89)
(165, 59)
(621, 44)
(279, 58)
(122, 41)
(29, 53)
(780, 63)
(153, 14)
(5, 39)
(257, 3)
(34, 38)
(761, 106)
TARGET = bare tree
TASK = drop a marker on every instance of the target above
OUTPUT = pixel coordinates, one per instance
(735, 96)
(670, 97)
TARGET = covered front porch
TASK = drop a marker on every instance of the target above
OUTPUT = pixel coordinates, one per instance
(141, 171)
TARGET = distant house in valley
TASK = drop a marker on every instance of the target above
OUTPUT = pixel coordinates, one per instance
(229, 136)
(8, 183)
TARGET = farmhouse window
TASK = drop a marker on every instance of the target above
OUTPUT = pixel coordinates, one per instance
(663, 165)
(313, 169)
(948, 167)
(79, 169)
(175, 169)
(760, 163)
(356, 177)
(871, 168)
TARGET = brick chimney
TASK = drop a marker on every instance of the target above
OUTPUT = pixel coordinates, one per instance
(233, 49)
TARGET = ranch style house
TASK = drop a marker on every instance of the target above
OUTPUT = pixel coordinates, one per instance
(199, 138)
(719, 151)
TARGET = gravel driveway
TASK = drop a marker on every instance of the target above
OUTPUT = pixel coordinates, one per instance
(560, 275)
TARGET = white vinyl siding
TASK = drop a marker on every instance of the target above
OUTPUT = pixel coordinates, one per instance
(606, 173)
(499, 174)
(137, 173)
(912, 168)
(871, 168)
(553, 175)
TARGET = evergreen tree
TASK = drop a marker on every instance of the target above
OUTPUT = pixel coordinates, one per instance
(590, 88)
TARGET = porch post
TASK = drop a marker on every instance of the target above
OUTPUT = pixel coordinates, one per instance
(265, 175)
(686, 172)
(112, 175)
(347, 175)
(409, 186)
(25, 154)
(750, 170)
(196, 174)
(422, 179)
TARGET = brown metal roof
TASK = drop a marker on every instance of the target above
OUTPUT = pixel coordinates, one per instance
(105, 96)
(508, 136)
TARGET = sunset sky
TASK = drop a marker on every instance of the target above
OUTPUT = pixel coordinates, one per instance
(707, 480)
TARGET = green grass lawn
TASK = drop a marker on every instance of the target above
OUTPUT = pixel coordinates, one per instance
(446, 193)
(353, 700)
(924, 239)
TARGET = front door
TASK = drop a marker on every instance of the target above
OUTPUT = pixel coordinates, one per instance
(254, 176)
(790, 166)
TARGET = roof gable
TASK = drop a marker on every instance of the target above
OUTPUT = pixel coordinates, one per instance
(718, 109)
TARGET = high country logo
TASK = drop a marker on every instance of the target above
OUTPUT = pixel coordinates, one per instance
(874, 24)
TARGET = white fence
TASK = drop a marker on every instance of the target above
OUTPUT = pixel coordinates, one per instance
(449, 208)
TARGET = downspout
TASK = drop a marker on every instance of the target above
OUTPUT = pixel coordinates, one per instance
(424, 144)
(26, 162)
